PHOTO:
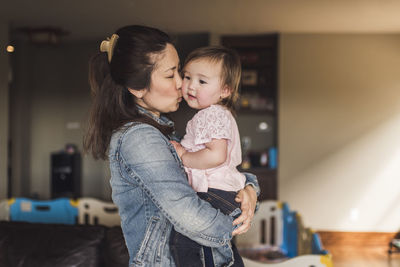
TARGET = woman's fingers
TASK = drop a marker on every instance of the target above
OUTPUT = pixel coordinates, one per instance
(247, 199)
(244, 227)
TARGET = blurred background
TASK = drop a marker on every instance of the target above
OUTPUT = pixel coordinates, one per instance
(328, 109)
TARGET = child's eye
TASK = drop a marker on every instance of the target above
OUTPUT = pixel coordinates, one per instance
(186, 77)
(202, 82)
(170, 77)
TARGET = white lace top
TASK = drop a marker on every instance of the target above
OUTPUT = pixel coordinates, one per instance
(214, 122)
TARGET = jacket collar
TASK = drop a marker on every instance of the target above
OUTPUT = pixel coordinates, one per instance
(162, 120)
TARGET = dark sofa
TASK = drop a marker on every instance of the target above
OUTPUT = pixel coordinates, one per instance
(56, 245)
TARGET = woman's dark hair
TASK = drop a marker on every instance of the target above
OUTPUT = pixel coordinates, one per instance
(131, 66)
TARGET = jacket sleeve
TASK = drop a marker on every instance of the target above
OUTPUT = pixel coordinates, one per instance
(147, 158)
(251, 179)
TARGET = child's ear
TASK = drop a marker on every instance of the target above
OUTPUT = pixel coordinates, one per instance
(226, 91)
(138, 93)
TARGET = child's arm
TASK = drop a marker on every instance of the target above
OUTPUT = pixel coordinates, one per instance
(212, 156)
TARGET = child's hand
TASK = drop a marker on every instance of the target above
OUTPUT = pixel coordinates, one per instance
(179, 148)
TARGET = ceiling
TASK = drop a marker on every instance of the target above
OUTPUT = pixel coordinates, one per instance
(88, 19)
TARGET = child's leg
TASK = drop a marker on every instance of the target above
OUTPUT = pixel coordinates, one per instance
(219, 199)
(238, 259)
(224, 201)
(187, 252)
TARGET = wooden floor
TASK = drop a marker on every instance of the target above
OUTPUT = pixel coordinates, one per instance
(351, 249)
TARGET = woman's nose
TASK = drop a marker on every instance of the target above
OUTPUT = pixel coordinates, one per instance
(179, 82)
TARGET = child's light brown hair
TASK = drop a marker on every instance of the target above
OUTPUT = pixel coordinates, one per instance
(231, 69)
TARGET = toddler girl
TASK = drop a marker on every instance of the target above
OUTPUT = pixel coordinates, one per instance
(210, 150)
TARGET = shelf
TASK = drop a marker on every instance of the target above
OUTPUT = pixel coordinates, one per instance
(255, 112)
(258, 65)
(259, 89)
(268, 182)
(251, 41)
(256, 170)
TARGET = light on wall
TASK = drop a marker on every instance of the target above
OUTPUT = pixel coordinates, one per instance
(10, 48)
(263, 127)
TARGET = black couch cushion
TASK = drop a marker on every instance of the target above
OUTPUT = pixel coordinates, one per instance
(50, 245)
(115, 251)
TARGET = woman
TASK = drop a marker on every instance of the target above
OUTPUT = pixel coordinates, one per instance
(134, 80)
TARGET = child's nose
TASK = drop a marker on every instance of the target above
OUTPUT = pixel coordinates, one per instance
(191, 86)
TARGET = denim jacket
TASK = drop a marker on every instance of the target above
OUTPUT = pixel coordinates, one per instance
(150, 188)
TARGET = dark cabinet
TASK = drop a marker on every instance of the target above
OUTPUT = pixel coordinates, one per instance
(65, 175)
(267, 179)
(257, 111)
(258, 54)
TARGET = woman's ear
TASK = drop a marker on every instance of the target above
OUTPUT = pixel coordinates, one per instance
(226, 91)
(137, 93)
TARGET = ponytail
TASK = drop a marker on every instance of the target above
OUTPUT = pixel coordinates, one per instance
(112, 104)
(111, 107)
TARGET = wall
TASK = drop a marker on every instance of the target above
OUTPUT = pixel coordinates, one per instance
(51, 98)
(4, 78)
(20, 119)
(339, 130)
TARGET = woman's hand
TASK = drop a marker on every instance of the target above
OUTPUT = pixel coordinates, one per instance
(248, 199)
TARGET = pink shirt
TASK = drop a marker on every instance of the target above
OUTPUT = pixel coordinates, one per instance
(214, 122)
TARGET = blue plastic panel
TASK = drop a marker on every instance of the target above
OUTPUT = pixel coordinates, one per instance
(37, 211)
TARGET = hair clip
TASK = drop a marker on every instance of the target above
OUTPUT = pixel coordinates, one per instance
(108, 46)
